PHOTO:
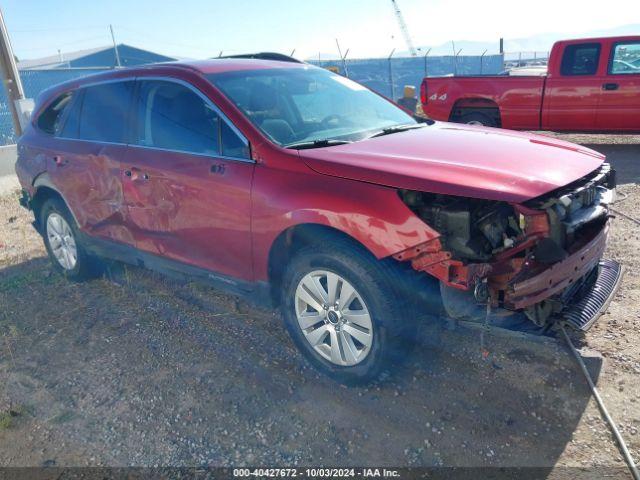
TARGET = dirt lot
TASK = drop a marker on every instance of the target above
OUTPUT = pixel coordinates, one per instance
(148, 371)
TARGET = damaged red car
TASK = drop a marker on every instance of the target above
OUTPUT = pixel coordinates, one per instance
(286, 183)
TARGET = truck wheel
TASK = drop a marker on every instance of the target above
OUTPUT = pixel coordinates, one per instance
(344, 310)
(478, 118)
(60, 233)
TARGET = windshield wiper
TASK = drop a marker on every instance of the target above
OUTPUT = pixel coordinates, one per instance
(397, 129)
(327, 142)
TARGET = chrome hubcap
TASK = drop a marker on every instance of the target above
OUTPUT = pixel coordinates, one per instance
(61, 240)
(475, 122)
(334, 318)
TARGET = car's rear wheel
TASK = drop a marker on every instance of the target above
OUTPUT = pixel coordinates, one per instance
(345, 310)
(60, 233)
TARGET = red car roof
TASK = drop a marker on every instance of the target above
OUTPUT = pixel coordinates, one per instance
(219, 65)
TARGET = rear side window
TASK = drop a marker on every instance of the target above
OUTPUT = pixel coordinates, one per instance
(580, 59)
(625, 59)
(50, 120)
(104, 114)
(71, 121)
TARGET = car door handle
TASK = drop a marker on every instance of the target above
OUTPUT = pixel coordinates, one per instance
(610, 86)
(135, 174)
(59, 161)
(218, 168)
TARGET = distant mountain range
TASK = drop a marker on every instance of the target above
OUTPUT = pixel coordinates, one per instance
(536, 43)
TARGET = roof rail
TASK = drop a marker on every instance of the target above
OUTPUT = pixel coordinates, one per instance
(264, 56)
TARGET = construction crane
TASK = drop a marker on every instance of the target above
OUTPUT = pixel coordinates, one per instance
(404, 29)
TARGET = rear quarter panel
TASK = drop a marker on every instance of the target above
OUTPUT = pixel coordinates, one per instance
(31, 160)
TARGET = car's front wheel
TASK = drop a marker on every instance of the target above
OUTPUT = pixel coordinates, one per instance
(345, 310)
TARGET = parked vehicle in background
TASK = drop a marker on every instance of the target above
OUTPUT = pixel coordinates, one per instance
(592, 85)
(287, 183)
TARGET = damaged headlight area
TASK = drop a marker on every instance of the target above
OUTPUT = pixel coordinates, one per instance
(578, 205)
(471, 229)
(543, 257)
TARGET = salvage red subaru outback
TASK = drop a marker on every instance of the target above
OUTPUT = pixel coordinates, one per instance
(281, 181)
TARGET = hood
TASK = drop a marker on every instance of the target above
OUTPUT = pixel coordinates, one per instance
(461, 160)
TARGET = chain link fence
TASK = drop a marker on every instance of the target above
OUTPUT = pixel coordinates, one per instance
(525, 59)
(388, 76)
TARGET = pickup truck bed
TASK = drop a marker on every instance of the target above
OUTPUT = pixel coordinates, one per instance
(519, 100)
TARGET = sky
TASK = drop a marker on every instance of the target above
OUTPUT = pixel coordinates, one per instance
(368, 28)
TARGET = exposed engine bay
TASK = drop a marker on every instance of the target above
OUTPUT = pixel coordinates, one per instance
(535, 257)
(471, 229)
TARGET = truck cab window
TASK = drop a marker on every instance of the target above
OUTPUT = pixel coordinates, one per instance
(580, 59)
(625, 59)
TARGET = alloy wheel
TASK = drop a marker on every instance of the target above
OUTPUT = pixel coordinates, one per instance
(61, 241)
(333, 318)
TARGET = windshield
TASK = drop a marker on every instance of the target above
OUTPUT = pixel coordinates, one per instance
(295, 105)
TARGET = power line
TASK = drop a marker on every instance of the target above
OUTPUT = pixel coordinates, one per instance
(75, 42)
(158, 39)
(54, 29)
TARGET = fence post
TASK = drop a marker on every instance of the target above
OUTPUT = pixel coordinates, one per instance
(455, 66)
(425, 63)
(344, 64)
(393, 92)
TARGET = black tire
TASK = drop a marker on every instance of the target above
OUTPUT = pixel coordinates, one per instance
(379, 283)
(85, 266)
(478, 118)
(461, 304)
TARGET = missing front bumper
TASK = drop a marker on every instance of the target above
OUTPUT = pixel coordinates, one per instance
(582, 314)
(559, 276)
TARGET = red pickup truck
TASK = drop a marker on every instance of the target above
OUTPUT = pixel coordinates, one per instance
(592, 85)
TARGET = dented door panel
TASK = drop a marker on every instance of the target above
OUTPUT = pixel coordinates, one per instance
(191, 208)
(89, 175)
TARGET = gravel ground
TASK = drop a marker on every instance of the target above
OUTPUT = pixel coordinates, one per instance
(148, 371)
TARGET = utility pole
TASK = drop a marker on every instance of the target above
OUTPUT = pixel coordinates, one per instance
(10, 76)
(115, 46)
